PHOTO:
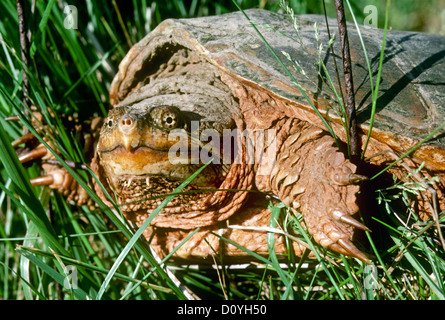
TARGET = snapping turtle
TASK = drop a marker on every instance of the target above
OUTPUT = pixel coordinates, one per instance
(209, 90)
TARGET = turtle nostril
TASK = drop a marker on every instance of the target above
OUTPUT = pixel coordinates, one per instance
(126, 122)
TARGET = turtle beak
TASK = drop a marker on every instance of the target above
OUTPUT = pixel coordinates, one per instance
(129, 134)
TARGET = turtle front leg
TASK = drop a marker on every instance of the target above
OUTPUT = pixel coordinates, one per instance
(55, 175)
(313, 177)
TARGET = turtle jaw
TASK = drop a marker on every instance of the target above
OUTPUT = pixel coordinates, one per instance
(141, 177)
(143, 162)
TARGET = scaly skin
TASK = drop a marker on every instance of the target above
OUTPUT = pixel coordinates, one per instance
(309, 173)
(312, 176)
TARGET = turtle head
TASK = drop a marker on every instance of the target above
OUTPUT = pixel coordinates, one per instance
(170, 112)
(148, 150)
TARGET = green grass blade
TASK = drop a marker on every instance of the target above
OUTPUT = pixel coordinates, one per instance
(25, 283)
(77, 292)
(420, 269)
(253, 254)
(82, 265)
(30, 204)
(88, 72)
(285, 278)
(167, 257)
(41, 27)
(379, 75)
(139, 232)
(321, 261)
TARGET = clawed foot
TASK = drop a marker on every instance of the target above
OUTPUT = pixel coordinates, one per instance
(36, 152)
(336, 206)
(314, 178)
(56, 177)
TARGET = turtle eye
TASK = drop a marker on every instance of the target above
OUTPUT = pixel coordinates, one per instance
(167, 118)
(170, 120)
(108, 123)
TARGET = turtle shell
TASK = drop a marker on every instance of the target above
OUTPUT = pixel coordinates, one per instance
(411, 97)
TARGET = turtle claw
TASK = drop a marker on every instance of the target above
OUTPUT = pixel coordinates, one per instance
(351, 221)
(29, 153)
(46, 180)
(55, 179)
(23, 139)
(34, 154)
(353, 251)
(336, 239)
(356, 178)
(346, 218)
(344, 176)
(12, 118)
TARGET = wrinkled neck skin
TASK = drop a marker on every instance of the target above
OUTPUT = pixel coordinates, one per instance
(184, 98)
(268, 127)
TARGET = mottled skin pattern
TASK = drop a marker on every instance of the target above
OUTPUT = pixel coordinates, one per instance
(169, 82)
